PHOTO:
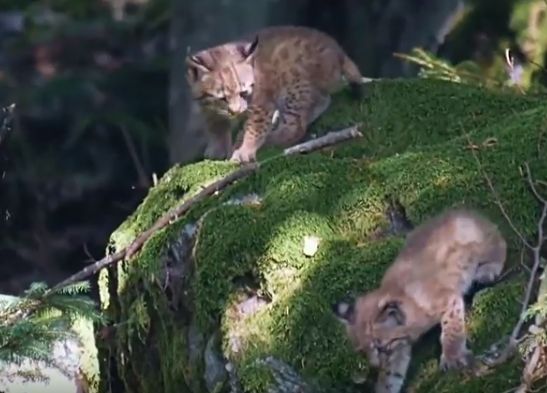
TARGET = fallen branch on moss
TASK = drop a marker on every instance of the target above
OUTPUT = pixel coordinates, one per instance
(499, 357)
(329, 139)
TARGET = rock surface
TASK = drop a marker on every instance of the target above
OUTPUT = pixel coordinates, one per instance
(415, 151)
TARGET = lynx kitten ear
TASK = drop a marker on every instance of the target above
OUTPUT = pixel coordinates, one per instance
(390, 314)
(345, 311)
(247, 49)
(196, 66)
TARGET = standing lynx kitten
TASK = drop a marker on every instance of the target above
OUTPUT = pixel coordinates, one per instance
(424, 286)
(281, 79)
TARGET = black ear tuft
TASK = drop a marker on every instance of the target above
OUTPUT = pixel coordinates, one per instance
(345, 310)
(247, 49)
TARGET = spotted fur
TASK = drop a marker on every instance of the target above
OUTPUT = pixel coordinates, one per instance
(423, 287)
(279, 81)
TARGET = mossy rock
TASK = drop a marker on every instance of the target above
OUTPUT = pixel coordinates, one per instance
(415, 150)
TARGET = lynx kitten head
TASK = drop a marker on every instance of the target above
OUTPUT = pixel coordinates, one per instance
(222, 78)
(371, 324)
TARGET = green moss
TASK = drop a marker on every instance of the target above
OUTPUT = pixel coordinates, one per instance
(176, 185)
(89, 360)
(408, 114)
(505, 378)
(484, 324)
(414, 150)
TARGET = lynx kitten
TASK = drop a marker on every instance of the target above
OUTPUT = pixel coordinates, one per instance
(280, 79)
(424, 286)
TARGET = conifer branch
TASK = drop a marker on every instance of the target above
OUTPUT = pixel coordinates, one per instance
(29, 325)
(508, 350)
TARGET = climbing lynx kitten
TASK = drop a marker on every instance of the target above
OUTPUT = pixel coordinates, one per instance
(280, 79)
(424, 286)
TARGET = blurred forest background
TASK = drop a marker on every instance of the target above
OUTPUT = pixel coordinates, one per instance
(103, 108)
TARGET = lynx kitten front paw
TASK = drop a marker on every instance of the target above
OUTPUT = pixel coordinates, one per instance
(244, 155)
(463, 360)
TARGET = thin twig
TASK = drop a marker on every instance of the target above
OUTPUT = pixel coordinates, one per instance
(176, 213)
(139, 167)
(497, 199)
(330, 139)
(90, 270)
(536, 251)
(514, 339)
(522, 264)
(532, 185)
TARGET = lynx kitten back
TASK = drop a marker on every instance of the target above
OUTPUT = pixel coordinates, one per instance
(280, 79)
(425, 285)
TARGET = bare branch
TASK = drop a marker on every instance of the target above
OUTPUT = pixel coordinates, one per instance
(522, 264)
(174, 215)
(497, 199)
(536, 250)
(139, 167)
(514, 338)
(90, 270)
(330, 139)
(531, 182)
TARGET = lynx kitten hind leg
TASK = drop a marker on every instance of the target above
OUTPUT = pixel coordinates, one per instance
(301, 106)
(455, 354)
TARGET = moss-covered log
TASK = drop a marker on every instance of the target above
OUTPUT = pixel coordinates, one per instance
(231, 278)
